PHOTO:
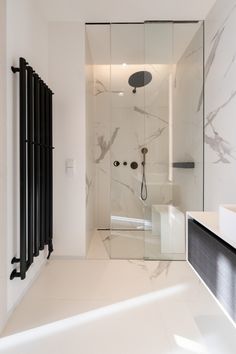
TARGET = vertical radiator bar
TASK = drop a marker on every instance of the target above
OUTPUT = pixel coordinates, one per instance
(50, 245)
(42, 164)
(37, 225)
(47, 167)
(23, 172)
(30, 150)
(44, 149)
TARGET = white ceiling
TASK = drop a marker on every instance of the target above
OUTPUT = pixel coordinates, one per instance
(124, 10)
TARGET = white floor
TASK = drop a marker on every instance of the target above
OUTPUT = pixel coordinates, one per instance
(156, 307)
(168, 309)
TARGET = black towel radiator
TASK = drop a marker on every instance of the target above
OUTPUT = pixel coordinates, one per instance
(36, 167)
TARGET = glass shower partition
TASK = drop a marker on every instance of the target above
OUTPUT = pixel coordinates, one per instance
(159, 52)
(173, 134)
(127, 136)
(156, 135)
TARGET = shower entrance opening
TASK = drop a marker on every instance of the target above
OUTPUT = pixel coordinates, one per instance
(147, 93)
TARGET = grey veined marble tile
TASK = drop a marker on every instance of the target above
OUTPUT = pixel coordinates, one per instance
(105, 145)
(223, 148)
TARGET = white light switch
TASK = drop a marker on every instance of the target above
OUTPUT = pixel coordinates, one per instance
(70, 167)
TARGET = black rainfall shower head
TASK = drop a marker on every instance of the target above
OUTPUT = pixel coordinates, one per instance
(139, 79)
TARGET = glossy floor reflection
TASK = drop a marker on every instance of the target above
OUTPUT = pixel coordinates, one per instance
(168, 310)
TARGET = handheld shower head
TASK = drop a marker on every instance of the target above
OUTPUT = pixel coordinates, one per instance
(144, 193)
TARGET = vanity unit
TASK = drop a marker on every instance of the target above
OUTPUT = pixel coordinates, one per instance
(213, 255)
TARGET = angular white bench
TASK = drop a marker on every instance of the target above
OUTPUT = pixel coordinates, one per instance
(169, 223)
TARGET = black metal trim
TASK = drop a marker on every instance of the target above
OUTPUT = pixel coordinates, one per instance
(15, 70)
(30, 164)
(14, 274)
(42, 164)
(141, 23)
(112, 23)
(50, 244)
(15, 260)
(36, 141)
(173, 21)
(121, 229)
(97, 23)
(47, 168)
(23, 172)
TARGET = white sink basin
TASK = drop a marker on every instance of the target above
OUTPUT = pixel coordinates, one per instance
(227, 223)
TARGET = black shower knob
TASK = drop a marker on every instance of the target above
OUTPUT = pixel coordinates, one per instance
(116, 163)
(134, 165)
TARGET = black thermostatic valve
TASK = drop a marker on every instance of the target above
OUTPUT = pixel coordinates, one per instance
(134, 165)
(116, 163)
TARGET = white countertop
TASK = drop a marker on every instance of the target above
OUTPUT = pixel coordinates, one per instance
(208, 219)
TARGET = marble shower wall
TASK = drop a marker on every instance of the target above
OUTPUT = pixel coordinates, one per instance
(220, 105)
(104, 139)
(125, 122)
(188, 126)
(90, 165)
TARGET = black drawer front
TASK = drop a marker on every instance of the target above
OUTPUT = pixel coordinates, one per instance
(215, 262)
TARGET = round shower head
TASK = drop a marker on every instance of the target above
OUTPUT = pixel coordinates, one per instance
(140, 79)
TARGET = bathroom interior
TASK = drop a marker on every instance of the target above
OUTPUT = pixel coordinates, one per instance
(133, 178)
(145, 84)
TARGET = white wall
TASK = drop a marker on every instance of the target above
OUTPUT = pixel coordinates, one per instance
(2, 163)
(220, 90)
(26, 37)
(67, 78)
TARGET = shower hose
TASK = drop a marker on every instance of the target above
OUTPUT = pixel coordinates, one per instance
(144, 193)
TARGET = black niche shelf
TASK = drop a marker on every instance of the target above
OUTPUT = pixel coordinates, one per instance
(183, 165)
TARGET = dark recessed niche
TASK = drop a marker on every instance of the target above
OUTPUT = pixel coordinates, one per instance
(183, 164)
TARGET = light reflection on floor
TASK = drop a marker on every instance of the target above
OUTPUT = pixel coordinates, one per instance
(140, 307)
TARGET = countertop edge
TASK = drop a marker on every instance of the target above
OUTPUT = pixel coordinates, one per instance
(209, 219)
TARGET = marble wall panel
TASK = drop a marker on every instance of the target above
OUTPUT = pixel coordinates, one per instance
(220, 105)
(188, 126)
